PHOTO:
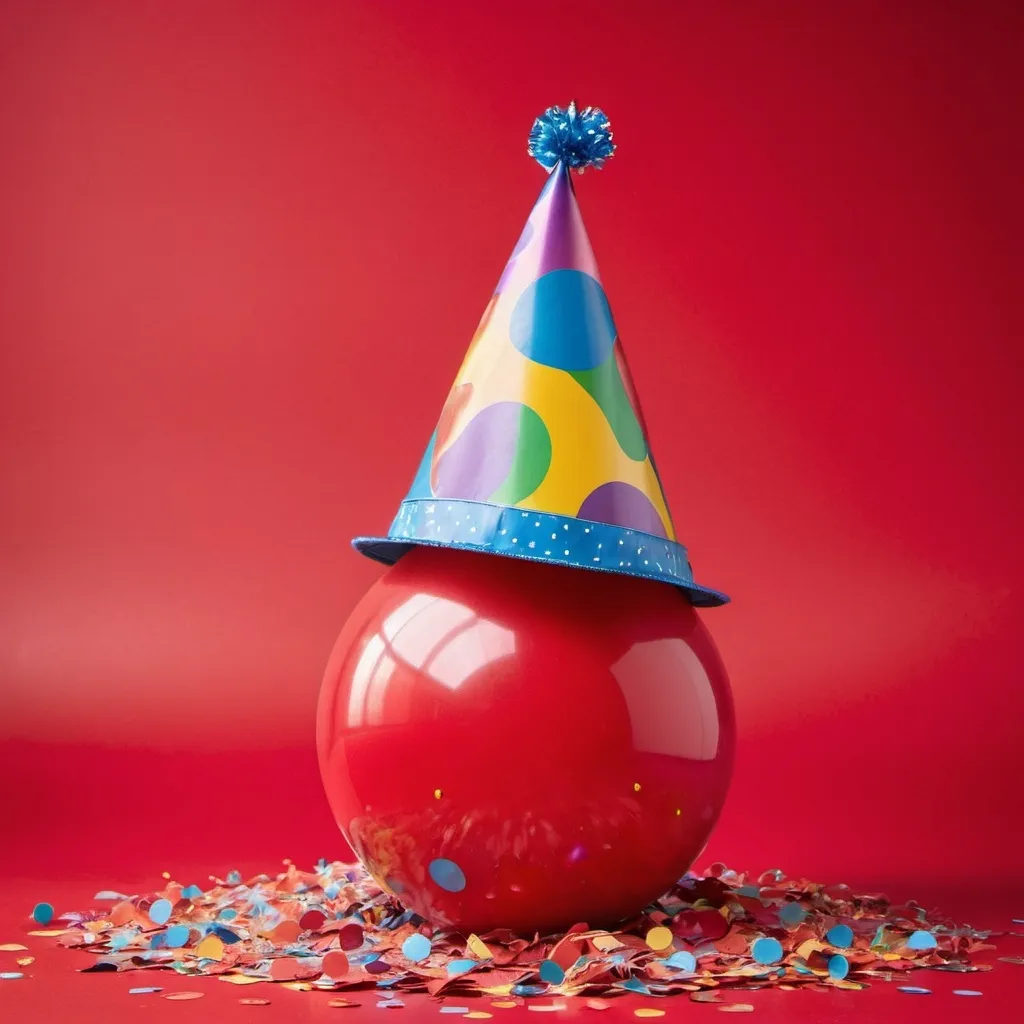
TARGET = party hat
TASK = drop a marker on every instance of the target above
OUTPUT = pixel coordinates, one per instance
(541, 451)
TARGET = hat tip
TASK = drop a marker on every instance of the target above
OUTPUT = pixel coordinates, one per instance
(576, 138)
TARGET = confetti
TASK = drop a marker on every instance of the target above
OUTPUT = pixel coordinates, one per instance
(341, 1004)
(10, 975)
(478, 1015)
(914, 990)
(25, 961)
(144, 991)
(447, 874)
(254, 1002)
(460, 1010)
(766, 950)
(966, 992)
(648, 1011)
(42, 913)
(659, 938)
(737, 1008)
(416, 947)
(390, 1004)
(12, 947)
(182, 996)
(335, 928)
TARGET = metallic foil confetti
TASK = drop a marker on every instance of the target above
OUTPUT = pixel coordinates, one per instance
(334, 928)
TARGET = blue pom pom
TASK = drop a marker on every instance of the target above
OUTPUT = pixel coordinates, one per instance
(577, 138)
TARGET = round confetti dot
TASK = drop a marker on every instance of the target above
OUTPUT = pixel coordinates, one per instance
(840, 935)
(792, 914)
(416, 947)
(766, 950)
(42, 913)
(636, 787)
(551, 973)
(921, 940)
(648, 1011)
(563, 320)
(447, 874)
(682, 961)
(350, 937)
(284, 968)
(457, 967)
(915, 990)
(838, 967)
(659, 938)
(966, 992)
(176, 936)
(160, 912)
(438, 793)
(312, 920)
(335, 964)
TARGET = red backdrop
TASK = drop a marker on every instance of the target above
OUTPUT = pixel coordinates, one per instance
(246, 245)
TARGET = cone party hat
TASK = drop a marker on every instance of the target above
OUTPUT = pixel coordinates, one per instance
(541, 451)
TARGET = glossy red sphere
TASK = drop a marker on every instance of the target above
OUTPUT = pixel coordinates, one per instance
(519, 745)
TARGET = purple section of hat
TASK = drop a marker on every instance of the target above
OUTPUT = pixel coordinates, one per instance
(622, 504)
(480, 458)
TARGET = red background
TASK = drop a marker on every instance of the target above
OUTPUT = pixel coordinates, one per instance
(245, 247)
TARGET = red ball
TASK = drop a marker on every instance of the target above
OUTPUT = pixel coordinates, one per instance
(509, 744)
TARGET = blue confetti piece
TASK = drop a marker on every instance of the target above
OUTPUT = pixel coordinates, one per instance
(766, 950)
(144, 991)
(801, 969)
(456, 967)
(840, 935)
(682, 961)
(160, 912)
(228, 936)
(447, 874)
(158, 941)
(42, 913)
(748, 890)
(551, 973)
(234, 878)
(10, 975)
(529, 990)
(331, 892)
(455, 1009)
(921, 940)
(879, 939)
(636, 985)
(915, 990)
(838, 967)
(191, 892)
(792, 914)
(228, 914)
(176, 936)
(120, 940)
(416, 947)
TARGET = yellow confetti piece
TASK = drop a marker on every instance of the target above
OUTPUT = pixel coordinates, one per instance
(737, 1008)
(496, 990)
(606, 942)
(24, 961)
(659, 938)
(212, 948)
(504, 1004)
(165, 874)
(182, 996)
(298, 986)
(806, 948)
(240, 979)
(648, 1011)
(43, 932)
(12, 947)
(479, 948)
(478, 1015)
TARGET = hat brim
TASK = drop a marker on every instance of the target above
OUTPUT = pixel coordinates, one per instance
(387, 550)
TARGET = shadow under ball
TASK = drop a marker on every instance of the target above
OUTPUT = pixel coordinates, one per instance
(510, 744)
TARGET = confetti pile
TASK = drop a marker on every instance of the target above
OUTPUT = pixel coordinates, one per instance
(334, 928)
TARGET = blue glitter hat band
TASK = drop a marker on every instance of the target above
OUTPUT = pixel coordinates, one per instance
(539, 537)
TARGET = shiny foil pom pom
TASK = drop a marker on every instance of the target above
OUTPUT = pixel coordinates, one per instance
(577, 138)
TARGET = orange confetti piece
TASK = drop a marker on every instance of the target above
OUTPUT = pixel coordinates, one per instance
(254, 1002)
(737, 1008)
(43, 932)
(12, 947)
(284, 969)
(285, 933)
(25, 961)
(335, 964)
(648, 1011)
(211, 948)
(597, 1004)
(182, 996)
(504, 1004)
(341, 1004)
(478, 1015)
(659, 938)
(241, 979)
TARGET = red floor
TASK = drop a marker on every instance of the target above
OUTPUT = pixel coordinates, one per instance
(53, 989)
